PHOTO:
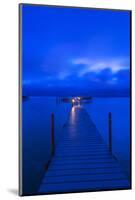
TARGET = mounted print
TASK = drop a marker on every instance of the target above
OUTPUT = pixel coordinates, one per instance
(75, 99)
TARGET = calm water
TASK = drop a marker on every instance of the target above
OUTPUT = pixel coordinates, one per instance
(37, 138)
(37, 128)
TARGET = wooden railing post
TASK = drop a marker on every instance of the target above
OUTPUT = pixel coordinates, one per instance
(110, 131)
(52, 135)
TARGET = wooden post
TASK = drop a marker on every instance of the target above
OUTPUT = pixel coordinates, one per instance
(110, 131)
(47, 165)
(52, 135)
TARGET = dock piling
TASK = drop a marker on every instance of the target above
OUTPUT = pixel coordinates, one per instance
(110, 131)
(52, 135)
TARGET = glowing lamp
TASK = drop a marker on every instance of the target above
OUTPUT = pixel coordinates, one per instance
(73, 101)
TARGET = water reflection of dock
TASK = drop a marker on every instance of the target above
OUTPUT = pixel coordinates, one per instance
(81, 160)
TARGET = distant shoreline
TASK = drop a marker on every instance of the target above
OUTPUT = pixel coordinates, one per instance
(28, 96)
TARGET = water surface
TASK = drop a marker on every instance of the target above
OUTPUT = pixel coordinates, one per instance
(37, 132)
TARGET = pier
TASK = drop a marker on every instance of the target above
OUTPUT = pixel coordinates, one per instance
(81, 160)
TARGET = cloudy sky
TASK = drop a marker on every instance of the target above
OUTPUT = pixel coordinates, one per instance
(75, 51)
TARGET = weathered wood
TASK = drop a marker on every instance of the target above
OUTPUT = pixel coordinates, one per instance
(82, 161)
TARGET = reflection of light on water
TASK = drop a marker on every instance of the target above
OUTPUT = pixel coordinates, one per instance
(73, 115)
(73, 131)
(74, 121)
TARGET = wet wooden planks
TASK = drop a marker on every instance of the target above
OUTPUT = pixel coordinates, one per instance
(82, 161)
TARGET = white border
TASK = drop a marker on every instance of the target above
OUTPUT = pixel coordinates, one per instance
(9, 97)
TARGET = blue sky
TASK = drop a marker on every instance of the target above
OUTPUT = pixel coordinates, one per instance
(75, 51)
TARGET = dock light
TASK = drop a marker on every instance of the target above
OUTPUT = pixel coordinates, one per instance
(73, 101)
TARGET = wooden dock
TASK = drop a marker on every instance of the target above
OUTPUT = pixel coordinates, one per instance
(82, 161)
